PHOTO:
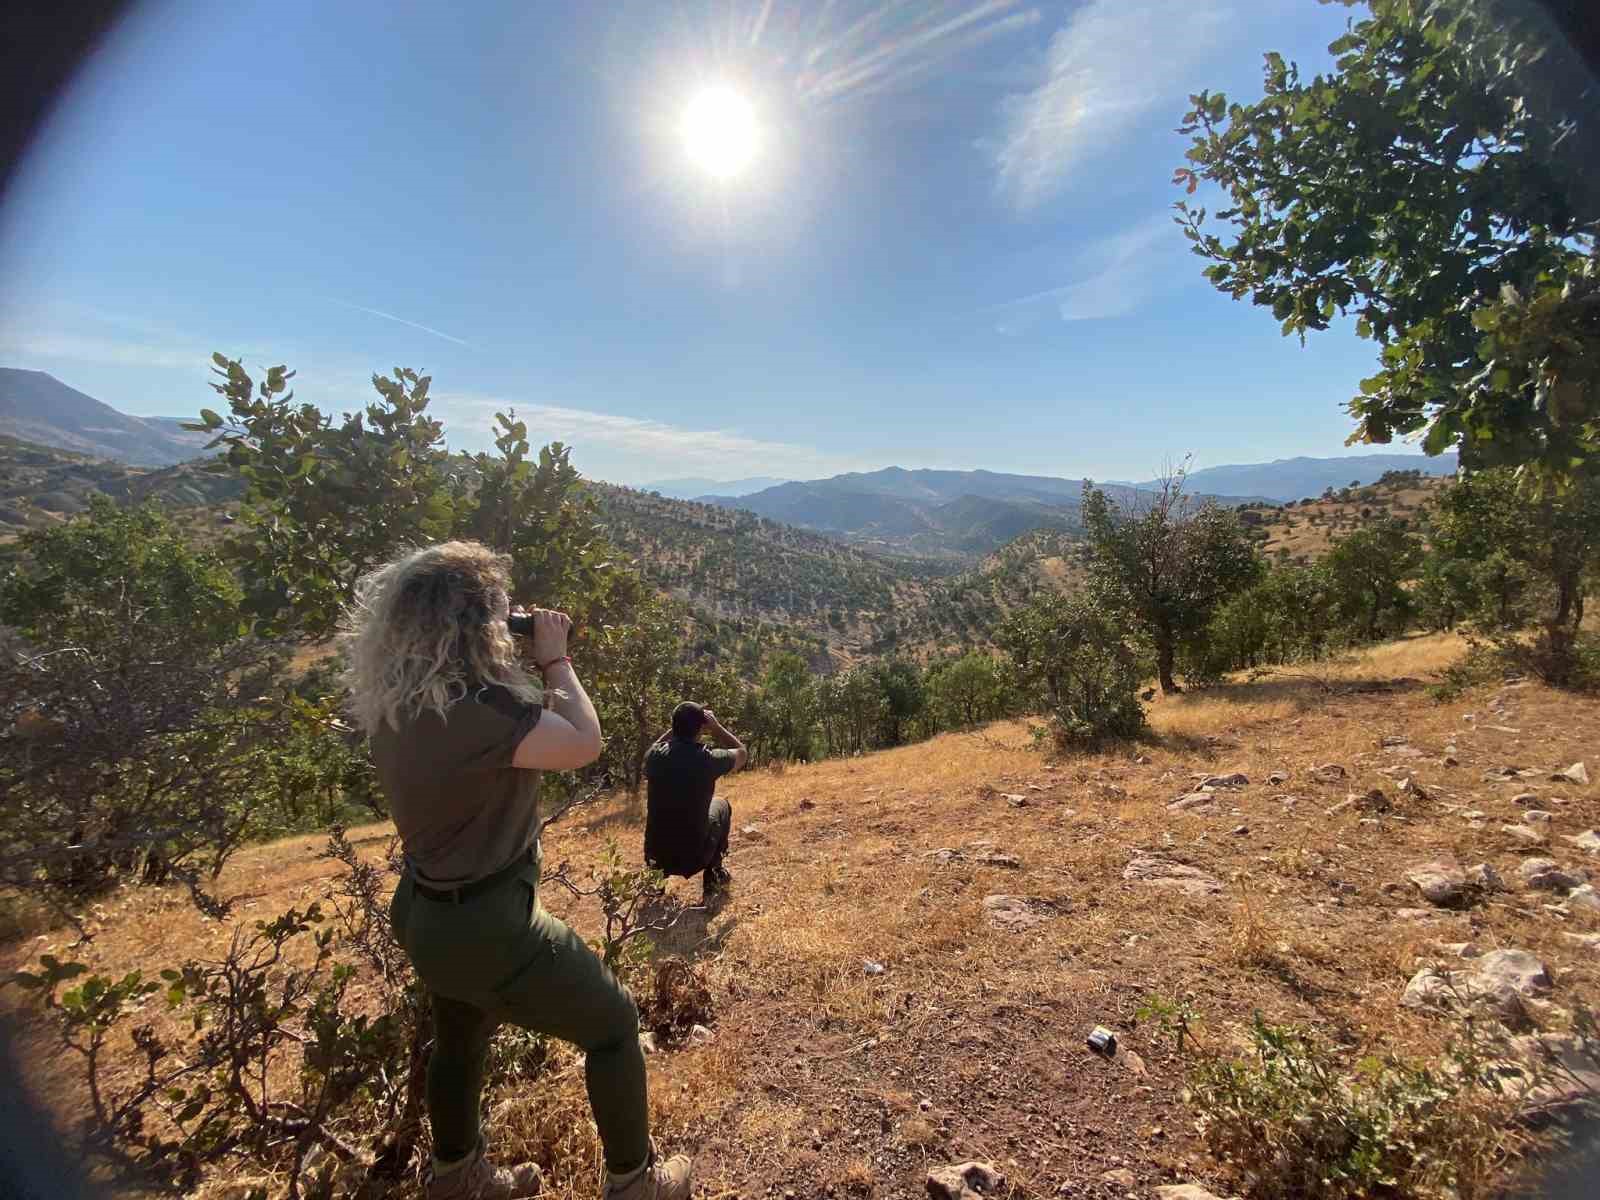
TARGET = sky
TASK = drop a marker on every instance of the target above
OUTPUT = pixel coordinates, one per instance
(909, 232)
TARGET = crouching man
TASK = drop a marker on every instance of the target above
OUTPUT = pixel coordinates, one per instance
(686, 823)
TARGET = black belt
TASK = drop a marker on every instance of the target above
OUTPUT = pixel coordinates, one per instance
(477, 887)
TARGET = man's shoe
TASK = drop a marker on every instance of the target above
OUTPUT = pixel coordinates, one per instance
(477, 1180)
(662, 1179)
(717, 880)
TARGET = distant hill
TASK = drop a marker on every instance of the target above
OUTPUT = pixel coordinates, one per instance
(1299, 478)
(692, 488)
(42, 485)
(39, 408)
(958, 514)
(1303, 531)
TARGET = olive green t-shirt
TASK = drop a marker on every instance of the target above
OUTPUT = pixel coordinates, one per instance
(462, 810)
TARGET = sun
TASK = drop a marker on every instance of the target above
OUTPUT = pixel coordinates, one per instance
(720, 132)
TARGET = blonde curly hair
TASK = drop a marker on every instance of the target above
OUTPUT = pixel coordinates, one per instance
(425, 630)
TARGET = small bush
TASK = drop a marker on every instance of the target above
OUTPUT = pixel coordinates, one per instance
(1295, 1122)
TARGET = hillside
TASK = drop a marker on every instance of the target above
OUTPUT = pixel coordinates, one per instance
(693, 487)
(40, 485)
(1303, 532)
(37, 407)
(733, 566)
(956, 514)
(919, 940)
(1298, 478)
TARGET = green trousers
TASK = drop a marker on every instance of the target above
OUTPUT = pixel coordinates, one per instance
(500, 957)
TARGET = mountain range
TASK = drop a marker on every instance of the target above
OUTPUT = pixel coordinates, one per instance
(692, 487)
(39, 408)
(929, 513)
(1287, 479)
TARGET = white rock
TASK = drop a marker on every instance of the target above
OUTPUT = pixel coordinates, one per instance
(1584, 897)
(1516, 969)
(1537, 816)
(1486, 877)
(1524, 833)
(1235, 780)
(1159, 872)
(1440, 883)
(962, 1181)
(1543, 875)
(1589, 941)
(1191, 801)
(1012, 913)
(1330, 772)
(1587, 840)
(1015, 799)
(1185, 1191)
(1576, 773)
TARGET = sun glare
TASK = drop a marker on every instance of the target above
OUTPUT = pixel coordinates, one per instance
(719, 132)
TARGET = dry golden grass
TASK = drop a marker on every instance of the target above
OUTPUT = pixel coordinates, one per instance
(970, 1042)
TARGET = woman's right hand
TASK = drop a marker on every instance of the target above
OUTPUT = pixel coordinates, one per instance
(550, 629)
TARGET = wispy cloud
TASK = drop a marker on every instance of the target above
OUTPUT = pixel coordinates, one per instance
(378, 312)
(1109, 278)
(1109, 67)
(667, 448)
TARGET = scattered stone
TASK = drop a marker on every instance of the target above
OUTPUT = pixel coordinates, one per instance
(944, 856)
(1412, 790)
(647, 1042)
(1441, 883)
(1344, 805)
(1394, 739)
(1461, 949)
(756, 833)
(1576, 773)
(699, 1035)
(1524, 833)
(1416, 914)
(1584, 897)
(1502, 729)
(1278, 777)
(1373, 801)
(1012, 913)
(1329, 773)
(1525, 798)
(1235, 780)
(962, 1181)
(1500, 981)
(1588, 840)
(1015, 799)
(1542, 874)
(1589, 941)
(1473, 814)
(1537, 816)
(1240, 830)
(994, 858)
(873, 968)
(1191, 800)
(1560, 1074)
(1120, 1177)
(1450, 759)
(1162, 873)
(1185, 1191)
(807, 805)
(1485, 878)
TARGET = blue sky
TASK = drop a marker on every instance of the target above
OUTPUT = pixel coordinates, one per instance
(952, 248)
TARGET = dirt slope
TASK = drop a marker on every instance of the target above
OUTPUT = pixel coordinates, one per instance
(824, 1077)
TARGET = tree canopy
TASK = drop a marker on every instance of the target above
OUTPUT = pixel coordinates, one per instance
(1439, 186)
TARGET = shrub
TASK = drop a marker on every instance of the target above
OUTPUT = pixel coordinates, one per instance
(1078, 668)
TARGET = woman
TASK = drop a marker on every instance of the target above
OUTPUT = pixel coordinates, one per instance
(459, 738)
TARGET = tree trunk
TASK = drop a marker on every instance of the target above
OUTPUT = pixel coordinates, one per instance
(1165, 652)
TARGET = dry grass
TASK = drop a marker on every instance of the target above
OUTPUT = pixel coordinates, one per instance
(970, 1043)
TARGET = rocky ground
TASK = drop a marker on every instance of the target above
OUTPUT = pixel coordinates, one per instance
(918, 942)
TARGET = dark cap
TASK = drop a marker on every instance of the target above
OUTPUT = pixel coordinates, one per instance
(687, 719)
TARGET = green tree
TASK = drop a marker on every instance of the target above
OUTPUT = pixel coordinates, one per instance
(1077, 667)
(790, 703)
(1441, 186)
(137, 710)
(968, 690)
(1286, 617)
(324, 503)
(1368, 570)
(900, 685)
(1167, 562)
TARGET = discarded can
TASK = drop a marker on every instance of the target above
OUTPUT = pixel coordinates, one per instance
(1102, 1041)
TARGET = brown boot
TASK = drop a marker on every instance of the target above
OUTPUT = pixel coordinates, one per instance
(661, 1179)
(477, 1180)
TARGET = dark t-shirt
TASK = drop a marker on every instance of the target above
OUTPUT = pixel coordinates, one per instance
(462, 810)
(680, 779)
